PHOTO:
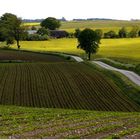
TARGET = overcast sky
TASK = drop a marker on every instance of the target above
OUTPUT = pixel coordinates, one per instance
(33, 9)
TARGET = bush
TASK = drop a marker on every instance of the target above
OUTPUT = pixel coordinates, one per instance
(99, 33)
(77, 33)
(58, 34)
(36, 37)
(122, 32)
(134, 32)
(137, 69)
(10, 40)
(71, 35)
(110, 34)
(43, 31)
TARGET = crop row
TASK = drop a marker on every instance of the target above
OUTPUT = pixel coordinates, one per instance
(61, 85)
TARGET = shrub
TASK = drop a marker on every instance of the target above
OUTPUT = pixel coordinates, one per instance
(134, 32)
(99, 33)
(122, 32)
(58, 34)
(36, 37)
(137, 69)
(33, 28)
(77, 33)
(110, 34)
(43, 31)
(10, 40)
(71, 35)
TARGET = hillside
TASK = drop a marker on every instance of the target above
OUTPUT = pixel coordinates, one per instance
(27, 123)
(25, 56)
(61, 85)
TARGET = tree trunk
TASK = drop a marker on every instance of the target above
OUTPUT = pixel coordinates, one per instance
(18, 44)
(89, 54)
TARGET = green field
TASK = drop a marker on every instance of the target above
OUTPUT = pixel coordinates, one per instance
(56, 86)
(124, 50)
(33, 123)
(61, 85)
(105, 25)
(44, 94)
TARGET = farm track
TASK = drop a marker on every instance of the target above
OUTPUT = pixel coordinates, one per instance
(135, 78)
(61, 85)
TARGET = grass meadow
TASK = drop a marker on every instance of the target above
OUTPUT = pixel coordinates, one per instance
(105, 25)
(123, 50)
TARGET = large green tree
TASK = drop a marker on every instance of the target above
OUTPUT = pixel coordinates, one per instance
(89, 41)
(10, 28)
(51, 23)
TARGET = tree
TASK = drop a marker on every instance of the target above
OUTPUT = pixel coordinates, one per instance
(51, 23)
(122, 32)
(10, 27)
(89, 41)
(110, 34)
(77, 32)
(43, 31)
(134, 32)
(99, 32)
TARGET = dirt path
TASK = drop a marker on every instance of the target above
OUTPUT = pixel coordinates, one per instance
(135, 78)
(76, 58)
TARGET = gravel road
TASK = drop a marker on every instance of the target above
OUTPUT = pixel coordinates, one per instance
(135, 78)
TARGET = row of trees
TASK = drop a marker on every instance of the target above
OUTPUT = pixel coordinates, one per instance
(11, 29)
(122, 33)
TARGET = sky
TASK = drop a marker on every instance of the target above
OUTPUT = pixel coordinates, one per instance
(70, 9)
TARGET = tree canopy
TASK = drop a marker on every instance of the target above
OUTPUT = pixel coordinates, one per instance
(51, 23)
(89, 41)
(10, 28)
(123, 32)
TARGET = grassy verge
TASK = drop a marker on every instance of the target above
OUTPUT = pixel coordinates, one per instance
(131, 67)
(129, 88)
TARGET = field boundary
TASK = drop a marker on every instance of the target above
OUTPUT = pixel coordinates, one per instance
(135, 78)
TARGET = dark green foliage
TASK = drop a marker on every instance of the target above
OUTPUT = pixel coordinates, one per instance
(58, 34)
(122, 32)
(10, 40)
(139, 33)
(43, 31)
(71, 35)
(2, 37)
(36, 37)
(51, 23)
(137, 69)
(77, 32)
(33, 28)
(88, 41)
(10, 28)
(99, 32)
(134, 32)
(110, 34)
